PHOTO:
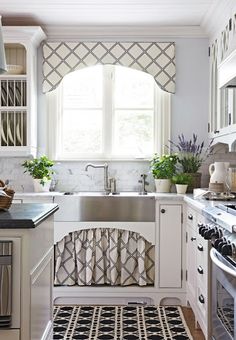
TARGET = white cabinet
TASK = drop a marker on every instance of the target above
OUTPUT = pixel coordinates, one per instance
(222, 120)
(198, 271)
(11, 334)
(18, 91)
(191, 239)
(170, 246)
(32, 301)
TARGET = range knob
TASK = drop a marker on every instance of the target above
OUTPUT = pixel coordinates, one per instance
(220, 246)
(203, 230)
(203, 227)
(217, 241)
(208, 234)
(226, 250)
(215, 235)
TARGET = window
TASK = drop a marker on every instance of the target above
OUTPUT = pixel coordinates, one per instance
(108, 112)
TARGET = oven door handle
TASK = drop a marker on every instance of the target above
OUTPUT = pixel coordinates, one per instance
(221, 265)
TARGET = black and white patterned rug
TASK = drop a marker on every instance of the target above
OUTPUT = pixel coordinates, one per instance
(120, 322)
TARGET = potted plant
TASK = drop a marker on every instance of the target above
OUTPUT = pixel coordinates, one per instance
(181, 181)
(163, 169)
(191, 156)
(40, 170)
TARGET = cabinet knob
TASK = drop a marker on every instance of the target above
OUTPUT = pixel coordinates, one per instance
(163, 211)
(200, 270)
(201, 298)
(190, 217)
(200, 247)
(193, 238)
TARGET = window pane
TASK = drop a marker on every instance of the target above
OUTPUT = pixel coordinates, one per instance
(82, 131)
(83, 88)
(133, 133)
(133, 88)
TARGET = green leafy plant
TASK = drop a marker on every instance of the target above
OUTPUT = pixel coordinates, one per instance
(39, 168)
(182, 178)
(191, 154)
(163, 167)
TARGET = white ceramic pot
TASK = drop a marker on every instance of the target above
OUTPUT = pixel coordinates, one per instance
(163, 185)
(181, 188)
(38, 187)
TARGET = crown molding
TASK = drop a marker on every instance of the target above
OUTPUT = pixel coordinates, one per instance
(122, 32)
(19, 33)
(217, 16)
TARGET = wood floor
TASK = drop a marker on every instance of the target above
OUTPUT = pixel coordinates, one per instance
(189, 318)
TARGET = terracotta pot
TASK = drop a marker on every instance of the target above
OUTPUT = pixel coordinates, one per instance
(163, 185)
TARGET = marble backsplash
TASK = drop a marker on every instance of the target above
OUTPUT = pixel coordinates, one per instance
(71, 176)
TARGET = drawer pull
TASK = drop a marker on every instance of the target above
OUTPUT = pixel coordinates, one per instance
(163, 211)
(200, 247)
(190, 217)
(201, 298)
(193, 238)
(200, 270)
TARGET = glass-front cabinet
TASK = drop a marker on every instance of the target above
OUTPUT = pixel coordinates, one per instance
(18, 91)
(222, 121)
(227, 106)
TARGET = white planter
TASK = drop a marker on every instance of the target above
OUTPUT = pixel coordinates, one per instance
(163, 185)
(181, 188)
(38, 187)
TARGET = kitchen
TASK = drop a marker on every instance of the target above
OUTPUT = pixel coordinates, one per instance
(195, 39)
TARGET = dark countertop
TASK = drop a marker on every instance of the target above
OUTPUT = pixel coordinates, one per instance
(26, 215)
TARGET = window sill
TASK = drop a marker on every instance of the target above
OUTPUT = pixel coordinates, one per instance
(103, 160)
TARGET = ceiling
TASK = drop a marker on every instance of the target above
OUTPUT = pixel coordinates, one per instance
(49, 13)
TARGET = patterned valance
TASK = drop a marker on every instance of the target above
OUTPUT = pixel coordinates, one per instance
(157, 59)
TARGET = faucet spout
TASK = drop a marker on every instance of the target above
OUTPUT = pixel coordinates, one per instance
(104, 166)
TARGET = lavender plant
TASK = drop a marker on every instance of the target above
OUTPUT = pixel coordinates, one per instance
(191, 154)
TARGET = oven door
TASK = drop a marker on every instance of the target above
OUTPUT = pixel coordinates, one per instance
(223, 298)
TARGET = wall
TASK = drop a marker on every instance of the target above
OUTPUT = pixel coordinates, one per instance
(189, 114)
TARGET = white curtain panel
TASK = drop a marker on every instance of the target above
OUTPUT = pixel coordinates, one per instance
(104, 256)
(155, 58)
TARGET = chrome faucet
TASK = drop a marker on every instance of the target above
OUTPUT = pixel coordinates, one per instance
(143, 183)
(107, 185)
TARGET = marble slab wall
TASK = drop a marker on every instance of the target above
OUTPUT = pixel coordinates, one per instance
(71, 176)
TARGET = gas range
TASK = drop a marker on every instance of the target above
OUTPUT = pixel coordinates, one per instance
(220, 229)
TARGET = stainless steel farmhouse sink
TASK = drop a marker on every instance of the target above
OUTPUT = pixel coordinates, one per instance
(93, 207)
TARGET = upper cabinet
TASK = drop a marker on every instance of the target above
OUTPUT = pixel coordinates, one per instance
(222, 120)
(18, 91)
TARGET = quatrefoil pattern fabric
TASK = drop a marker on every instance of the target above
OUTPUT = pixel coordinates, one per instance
(157, 59)
(104, 256)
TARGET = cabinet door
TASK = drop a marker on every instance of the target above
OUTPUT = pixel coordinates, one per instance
(191, 264)
(170, 244)
(11, 334)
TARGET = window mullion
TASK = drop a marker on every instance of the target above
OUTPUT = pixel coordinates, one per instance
(108, 109)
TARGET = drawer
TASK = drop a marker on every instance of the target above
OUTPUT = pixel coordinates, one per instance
(191, 217)
(203, 312)
(10, 334)
(202, 278)
(202, 302)
(202, 251)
